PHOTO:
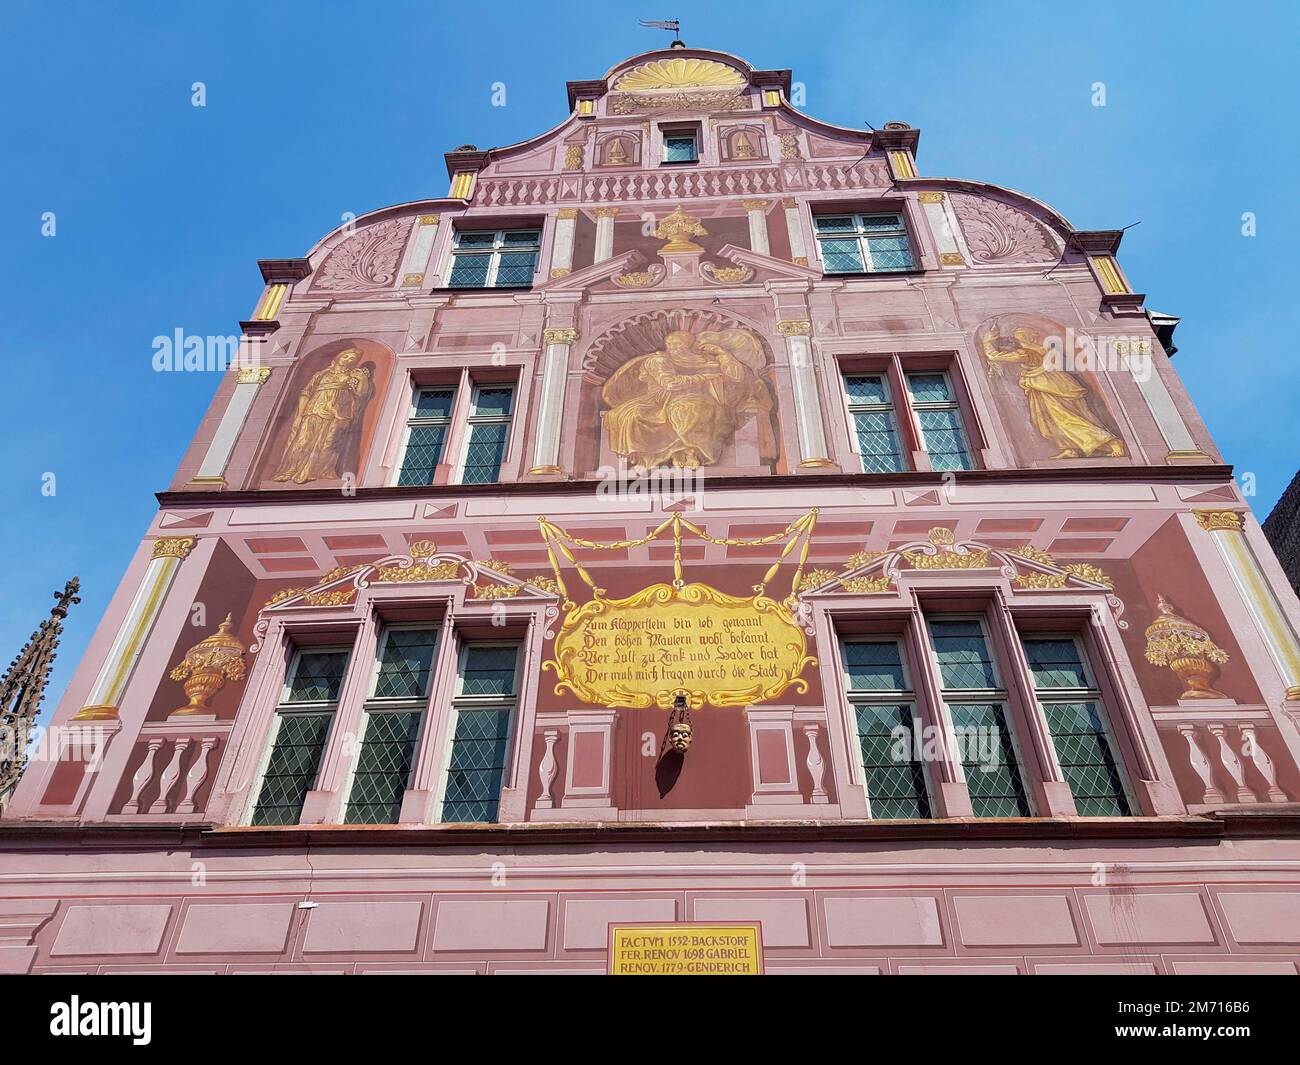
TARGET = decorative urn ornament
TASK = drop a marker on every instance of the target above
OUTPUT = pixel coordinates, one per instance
(1186, 648)
(206, 667)
(677, 228)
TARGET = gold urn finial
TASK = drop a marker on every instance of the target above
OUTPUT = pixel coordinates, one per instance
(206, 667)
(676, 228)
(1186, 648)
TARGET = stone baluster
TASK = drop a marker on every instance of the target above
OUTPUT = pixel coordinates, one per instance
(816, 765)
(170, 776)
(547, 769)
(1201, 765)
(142, 776)
(196, 776)
(1231, 763)
(1259, 758)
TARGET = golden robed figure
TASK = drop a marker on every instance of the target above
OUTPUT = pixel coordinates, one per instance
(1058, 402)
(681, 406)
(329, 410)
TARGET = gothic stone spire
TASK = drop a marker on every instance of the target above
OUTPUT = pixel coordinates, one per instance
(22, 687)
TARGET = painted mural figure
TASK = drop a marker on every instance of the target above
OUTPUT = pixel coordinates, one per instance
(681, 406)
(329, 410)
(1058, 402)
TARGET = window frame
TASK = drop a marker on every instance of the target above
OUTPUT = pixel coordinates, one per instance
(1002, 695)
(889, 407)
(459, 700)
(493, 255)
(680, 134)
(413, 421)
(375, 704)
(915, 407)
(1093, 694)
(908, 696)
(862, 234)
(472, 419)
(896, 368)
(285, 707)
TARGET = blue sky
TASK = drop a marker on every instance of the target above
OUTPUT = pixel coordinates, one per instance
(317, 109)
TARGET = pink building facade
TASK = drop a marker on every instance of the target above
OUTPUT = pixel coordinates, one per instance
(696, 515)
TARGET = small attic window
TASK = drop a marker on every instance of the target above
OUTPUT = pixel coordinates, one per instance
(681, 146)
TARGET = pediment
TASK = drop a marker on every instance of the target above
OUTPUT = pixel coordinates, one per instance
(1029, 569)
(424, 564)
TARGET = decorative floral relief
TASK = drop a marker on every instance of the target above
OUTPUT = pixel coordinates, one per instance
(998, 233)
(367, 259)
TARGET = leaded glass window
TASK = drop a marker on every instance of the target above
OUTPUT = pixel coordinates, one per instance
(427, 429)
(483, 710)
(301, 727)
(988, 757)
(1075, 720)
(874, 423)
(383, 767)
(884, 711)
(489, 433)
(939, 416)
(400, 691)
(317, 677)
(405, 662)
(494, 259)
(977, 709)
(863, 243)
(681, 148)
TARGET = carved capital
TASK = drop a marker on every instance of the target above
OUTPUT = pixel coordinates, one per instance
(429, 219)
(794, 327)
(173, 547)
(566, 212)
(931, 197)
(606, 212)
(254, 375)
(1217, 520)
(754, 205)
(559, 336)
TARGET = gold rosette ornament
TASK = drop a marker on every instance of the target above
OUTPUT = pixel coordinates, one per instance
(1186, 648)
(206, 667)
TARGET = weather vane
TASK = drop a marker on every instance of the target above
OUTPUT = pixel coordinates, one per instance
(672, 24)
